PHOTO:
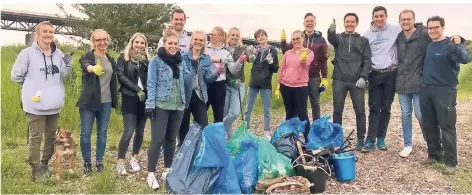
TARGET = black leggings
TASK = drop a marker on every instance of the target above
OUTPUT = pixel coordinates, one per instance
(134, 122)
(295, 102)
(216, 98)
(164, 127)
(199, 111)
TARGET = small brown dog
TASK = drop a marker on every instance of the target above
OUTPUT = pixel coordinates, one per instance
(65, 149)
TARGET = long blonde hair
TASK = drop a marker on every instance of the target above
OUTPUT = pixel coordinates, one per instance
(222, 32)
(201, 32)
(92, 37)
(240, 42)
(130, 46)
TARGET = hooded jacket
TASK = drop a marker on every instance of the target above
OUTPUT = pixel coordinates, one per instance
(316, 43)
(352, 56)
(382, 45)
(35, 71)
(411, 53)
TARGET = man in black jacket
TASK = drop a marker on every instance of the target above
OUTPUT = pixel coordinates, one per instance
(411, 43)
(351, 69)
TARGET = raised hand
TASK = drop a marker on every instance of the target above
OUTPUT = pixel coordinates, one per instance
(332, 27)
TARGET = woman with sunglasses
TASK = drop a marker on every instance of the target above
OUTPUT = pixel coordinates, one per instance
(235, 86)
(293, 80)
(220, 57)
(265, 64)
(169, 86)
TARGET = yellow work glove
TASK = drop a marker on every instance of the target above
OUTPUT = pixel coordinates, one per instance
(303, 55)
(277, 91)
(324, 82)
(37, 96)
(98, 69)
(283, 36)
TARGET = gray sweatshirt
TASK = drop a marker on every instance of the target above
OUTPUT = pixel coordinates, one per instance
(382, 45)
(184, 42)
(42, 75)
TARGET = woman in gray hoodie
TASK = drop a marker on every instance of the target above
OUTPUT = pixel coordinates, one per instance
(40, 69)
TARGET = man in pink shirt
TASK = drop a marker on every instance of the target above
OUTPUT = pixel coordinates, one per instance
(293, 80)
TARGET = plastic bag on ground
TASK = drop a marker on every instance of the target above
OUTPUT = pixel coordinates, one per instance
(287, 145)
(325, 134)
(214, 154)
(184, 177)
(246, 164)
(241, 134)
(294, 125)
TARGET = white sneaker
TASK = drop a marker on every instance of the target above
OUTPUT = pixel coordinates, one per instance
(121, 169)
(134, 165)
(406, 151)
(164, 173)
(267, 135)
(152, 181)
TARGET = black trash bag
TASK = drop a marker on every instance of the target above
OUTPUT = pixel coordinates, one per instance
(184, 177)
(287, 145)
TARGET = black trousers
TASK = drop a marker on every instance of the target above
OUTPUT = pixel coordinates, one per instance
(295, 101)
(340, 89)
(438, 110)
(381, 94)
(199, 111)
(134, 122)
(216, 99)
(164, 129)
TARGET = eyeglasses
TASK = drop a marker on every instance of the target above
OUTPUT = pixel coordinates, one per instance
(296, 39)
(101, 40)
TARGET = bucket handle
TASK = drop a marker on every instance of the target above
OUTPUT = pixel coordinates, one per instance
(356, 159)
(327, 163)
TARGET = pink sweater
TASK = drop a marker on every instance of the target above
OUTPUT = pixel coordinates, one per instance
(294, 73)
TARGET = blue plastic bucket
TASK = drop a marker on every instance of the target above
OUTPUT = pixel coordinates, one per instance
(344, 166)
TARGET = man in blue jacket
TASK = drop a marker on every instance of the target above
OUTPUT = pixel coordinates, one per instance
(439, 92)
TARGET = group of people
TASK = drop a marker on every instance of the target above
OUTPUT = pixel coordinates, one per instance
(189, 74)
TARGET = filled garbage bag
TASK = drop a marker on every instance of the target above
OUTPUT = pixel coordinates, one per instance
(241, 134)
(214, 154)
(294, 125)
(246, 164)
(186, 178)
(287, 145)
(272, 164)
(324, 134)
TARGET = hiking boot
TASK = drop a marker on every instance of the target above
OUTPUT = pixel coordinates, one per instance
(368, 147)
(449, 170)
(381, 144)
(429, 161)
(87, 168)
(360, 144)
(99, 165)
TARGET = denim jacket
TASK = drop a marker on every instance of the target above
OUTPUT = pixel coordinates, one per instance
(159, 83)
(204, 71)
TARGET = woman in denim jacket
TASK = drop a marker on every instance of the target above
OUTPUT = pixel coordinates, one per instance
(169, 85)
(200, 68)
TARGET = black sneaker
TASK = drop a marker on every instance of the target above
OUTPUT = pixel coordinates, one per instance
(88, 168)
(99, 166)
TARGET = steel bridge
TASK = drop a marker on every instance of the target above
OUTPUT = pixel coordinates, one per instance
(27, 21)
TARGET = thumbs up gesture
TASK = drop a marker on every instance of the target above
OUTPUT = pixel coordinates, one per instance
(332, 27)
(283, 36)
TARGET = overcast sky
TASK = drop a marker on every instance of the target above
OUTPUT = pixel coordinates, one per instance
(273, 18)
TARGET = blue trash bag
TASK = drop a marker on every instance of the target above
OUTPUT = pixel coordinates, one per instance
(214, 154)
(246, 164)
(294, 125)
(325, 134)
(186, 178)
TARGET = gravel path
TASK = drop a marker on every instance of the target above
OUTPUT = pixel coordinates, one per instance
(379, 171)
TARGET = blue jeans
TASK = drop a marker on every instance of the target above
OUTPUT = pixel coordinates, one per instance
(87, 117)
(233, 107)
(407, 107)
(251, 100)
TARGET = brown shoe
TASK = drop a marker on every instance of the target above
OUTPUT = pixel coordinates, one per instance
(449, 170)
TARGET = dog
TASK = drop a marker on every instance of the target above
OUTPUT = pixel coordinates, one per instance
(65, 149)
